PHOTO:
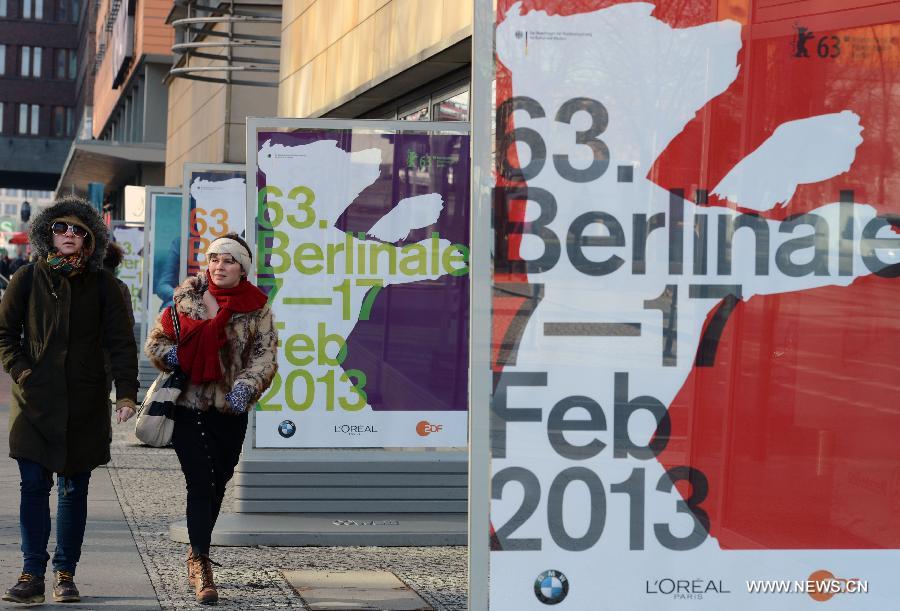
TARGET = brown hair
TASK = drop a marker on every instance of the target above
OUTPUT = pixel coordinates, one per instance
(113, 257)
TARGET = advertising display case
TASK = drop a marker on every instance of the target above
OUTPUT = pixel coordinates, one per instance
(360, 237)
(213, 205)
(130, 237)
(162, 251)
(362, 244)
(692, 366)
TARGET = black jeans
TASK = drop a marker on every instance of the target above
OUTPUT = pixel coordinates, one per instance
(208, 445)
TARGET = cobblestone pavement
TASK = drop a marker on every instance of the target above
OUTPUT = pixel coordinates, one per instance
(151, 492)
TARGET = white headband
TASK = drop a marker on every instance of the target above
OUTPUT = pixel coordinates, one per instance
(227, 246)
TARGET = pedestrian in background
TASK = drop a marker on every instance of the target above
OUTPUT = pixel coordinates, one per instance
(16, 263)
(69, 310)
(227, 347)
(111, 262)
(4, 269)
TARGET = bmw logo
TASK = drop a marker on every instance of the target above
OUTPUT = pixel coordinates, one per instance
(287, 429)
(551, 587)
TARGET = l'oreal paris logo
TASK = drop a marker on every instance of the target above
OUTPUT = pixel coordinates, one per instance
(685, 588)
(355, 429)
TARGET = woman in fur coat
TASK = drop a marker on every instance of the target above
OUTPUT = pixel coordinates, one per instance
(69, 311)
(227, 349)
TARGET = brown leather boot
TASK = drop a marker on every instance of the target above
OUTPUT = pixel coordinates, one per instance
(192, 565)
(204, 586)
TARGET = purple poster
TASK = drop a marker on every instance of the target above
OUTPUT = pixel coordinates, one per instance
(362, 238)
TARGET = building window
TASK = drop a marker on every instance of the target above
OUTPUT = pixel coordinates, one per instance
(419, 112)
(26, 62)
(455, 108)
(10, 209)
(65, 63)
(31, 61)
(2, 8)
(63, 121)
(61, 63)
(446, 99)
(23, 118)
(35, 7)
(34, 126)
(1, 117)
(2, 58)
(59, 121)
(66, 10)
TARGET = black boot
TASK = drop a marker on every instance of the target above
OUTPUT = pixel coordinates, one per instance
(29, 589)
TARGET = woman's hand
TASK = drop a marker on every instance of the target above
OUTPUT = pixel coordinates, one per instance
(238, 398)
(125, 409)
(172, 358)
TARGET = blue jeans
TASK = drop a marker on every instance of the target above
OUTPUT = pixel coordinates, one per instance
(34, 518)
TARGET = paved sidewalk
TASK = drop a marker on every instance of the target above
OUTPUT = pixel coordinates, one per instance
(129, 562)
(111, 573)
(151, 490)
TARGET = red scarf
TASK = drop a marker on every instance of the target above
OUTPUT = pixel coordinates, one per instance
(198, 350)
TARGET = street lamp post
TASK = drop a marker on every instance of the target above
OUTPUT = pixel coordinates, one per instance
(25, 217)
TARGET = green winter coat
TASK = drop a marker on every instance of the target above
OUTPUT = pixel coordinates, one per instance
(60, 415)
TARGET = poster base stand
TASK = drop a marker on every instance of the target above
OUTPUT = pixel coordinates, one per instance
(334, 529)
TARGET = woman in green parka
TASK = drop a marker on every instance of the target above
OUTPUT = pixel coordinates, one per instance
(57, 318)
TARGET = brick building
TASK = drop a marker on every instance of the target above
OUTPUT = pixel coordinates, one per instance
(38, 69)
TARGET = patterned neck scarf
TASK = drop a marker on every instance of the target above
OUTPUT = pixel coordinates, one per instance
(67, 265)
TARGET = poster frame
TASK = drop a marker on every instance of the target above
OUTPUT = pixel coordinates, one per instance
(481, 565)
(149, 234)
(480, 304)
(338, 455)
(113, 225)
(188, 170)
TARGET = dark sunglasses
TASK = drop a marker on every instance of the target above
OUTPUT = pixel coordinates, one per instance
(60, 228)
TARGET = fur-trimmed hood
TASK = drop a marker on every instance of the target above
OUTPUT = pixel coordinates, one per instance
(42, 239)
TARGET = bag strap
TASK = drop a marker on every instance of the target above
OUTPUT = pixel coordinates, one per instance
(175, 324)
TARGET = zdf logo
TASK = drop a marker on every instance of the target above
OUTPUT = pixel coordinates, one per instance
(823, 585)
(425, 428)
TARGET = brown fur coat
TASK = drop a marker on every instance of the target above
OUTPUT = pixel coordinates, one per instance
(248, 356)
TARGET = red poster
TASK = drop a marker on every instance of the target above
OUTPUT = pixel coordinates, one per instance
(719, 178)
